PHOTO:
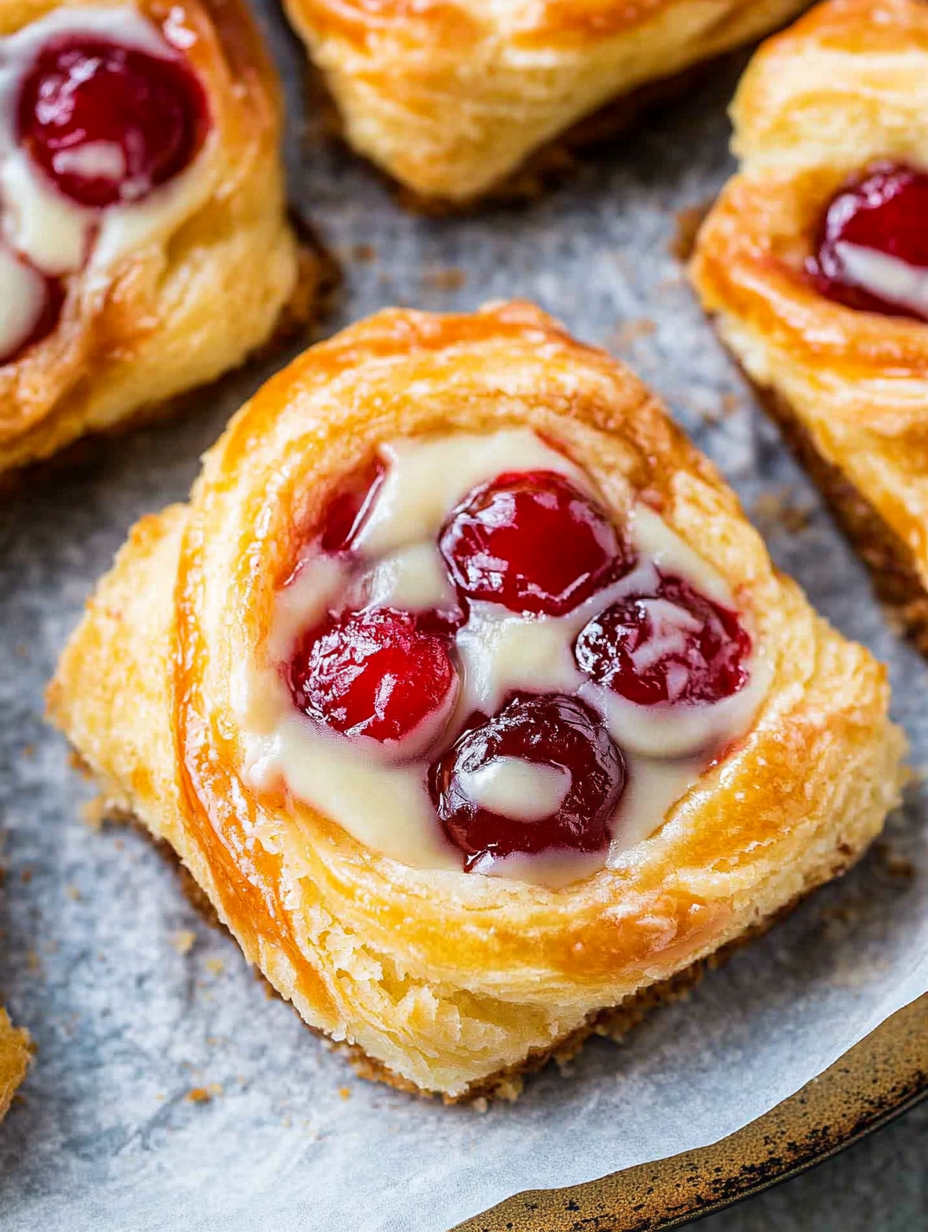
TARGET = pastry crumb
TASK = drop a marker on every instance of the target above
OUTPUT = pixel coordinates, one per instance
(93, 813)
(778, 507)
(203, 1095)
(215, 966)
(480, 1104)
(443, 278)
(72, 892)
(345, 1092)
(627, 333)
(363, 252)
(893, 862)
(183, 940)
(688, 221)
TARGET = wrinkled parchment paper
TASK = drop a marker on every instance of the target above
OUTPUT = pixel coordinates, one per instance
(168, 1091)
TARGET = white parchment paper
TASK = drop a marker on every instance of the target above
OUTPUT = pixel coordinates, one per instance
(135, 1004)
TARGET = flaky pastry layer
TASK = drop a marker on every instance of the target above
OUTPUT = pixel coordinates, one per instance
(202, 291)
(450, 96)
(443, 978)
(846, 85)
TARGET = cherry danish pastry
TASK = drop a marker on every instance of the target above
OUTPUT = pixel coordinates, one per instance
(141, 193)
(451, 97)
(814, 265)
(473, 716)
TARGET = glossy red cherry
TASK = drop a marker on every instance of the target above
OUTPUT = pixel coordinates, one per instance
(109, 123)
(550, 731)
(378, 673)
(886, 211)
(533, 543)
(674, 646)
(349, 506)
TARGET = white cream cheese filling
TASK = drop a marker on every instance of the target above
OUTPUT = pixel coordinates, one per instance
(887, 277)
(380, 795)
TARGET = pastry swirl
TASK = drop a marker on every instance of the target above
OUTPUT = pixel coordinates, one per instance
(841, 93)
(175, 281)
(446, 978)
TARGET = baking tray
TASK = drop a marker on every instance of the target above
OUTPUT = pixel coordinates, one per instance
(86, 913)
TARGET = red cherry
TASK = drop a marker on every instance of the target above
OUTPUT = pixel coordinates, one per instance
(542, 731)
(886, 211)
(533, 543)
(675, 646)
(377, 673)
(349, 506)
(109, 123)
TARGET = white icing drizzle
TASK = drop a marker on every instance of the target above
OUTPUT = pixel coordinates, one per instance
(377, 794)
(887, 277)
(54, 234)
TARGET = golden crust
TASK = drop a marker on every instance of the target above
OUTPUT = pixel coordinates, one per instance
(443, 978)
(844, 86)
(15, 1054)
(203, 292)
(451, 96)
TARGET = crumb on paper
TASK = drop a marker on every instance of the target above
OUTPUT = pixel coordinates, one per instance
(29, 750)
(627, 333)
(892, 861)
(215, 966)
(33, 961)
(93, 813)
(202, 1095)
(183, 940)
(363, 252)
(481, 1104)
(345, 1092)
(72, 892)
(443, 278)
(25, 875)
(779, 508)
(688, 221)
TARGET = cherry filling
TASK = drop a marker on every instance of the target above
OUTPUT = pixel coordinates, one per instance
(378, 673)
(533, 543)
(542, 773)
(347, 509)
(551, 733)
(675, 646)
(885, 211)
(109, 123)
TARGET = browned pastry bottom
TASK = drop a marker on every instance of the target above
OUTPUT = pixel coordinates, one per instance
(318, 277)
(613, 1022)
(891, 563)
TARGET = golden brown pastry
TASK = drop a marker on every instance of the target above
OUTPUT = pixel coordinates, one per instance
(470, 698)
(14, 1060)
(814, 264)
(144, 247)
(451, 96)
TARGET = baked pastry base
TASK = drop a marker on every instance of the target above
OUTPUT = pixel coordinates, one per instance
(613, 1022)
(15, 1054)
(892, 565)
